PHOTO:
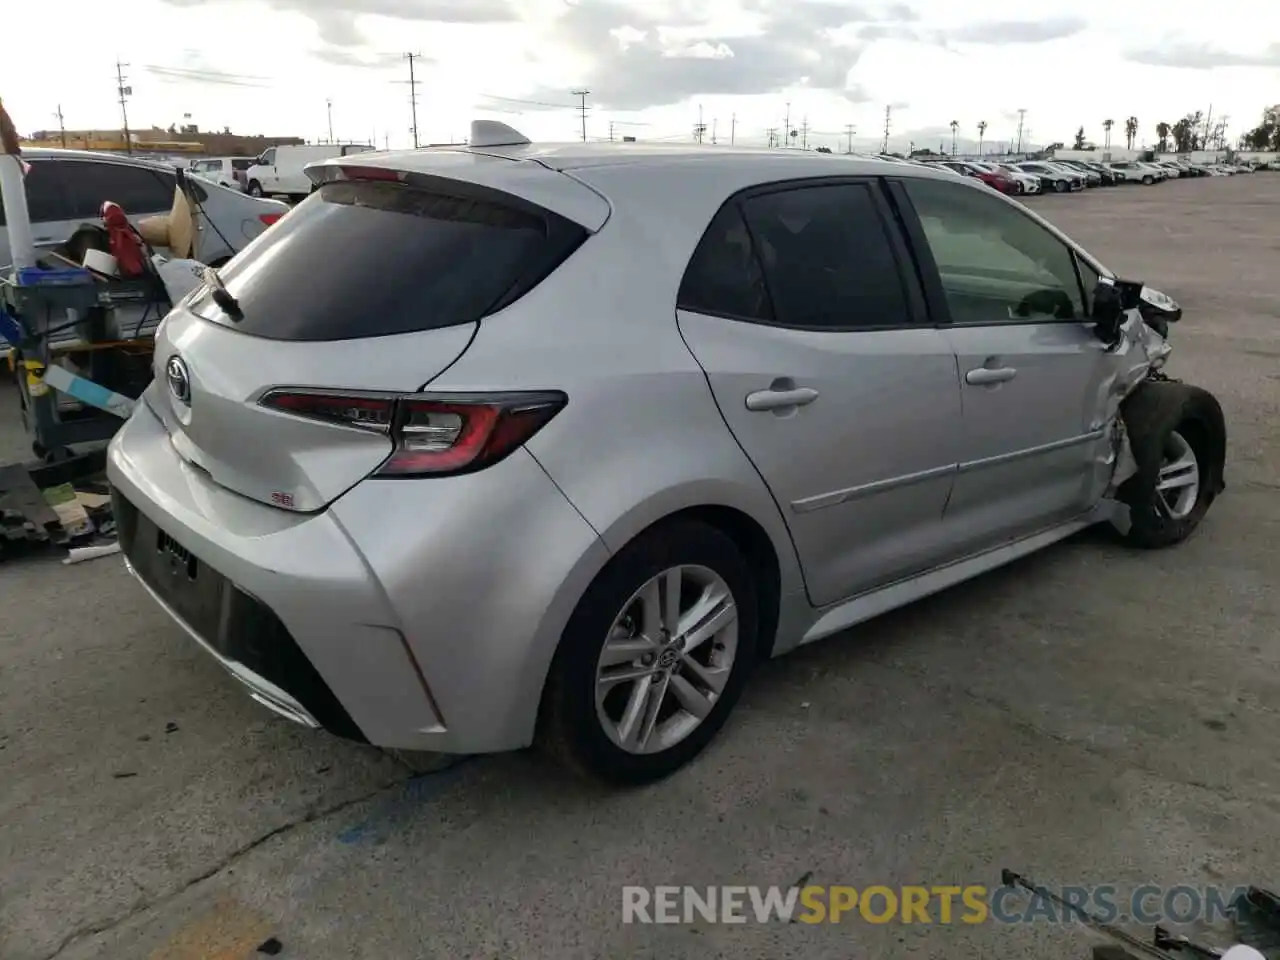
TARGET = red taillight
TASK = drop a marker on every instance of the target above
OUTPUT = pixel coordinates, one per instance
(269, 218)
(432, 435)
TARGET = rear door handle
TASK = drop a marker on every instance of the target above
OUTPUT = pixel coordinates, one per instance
(987, 375)
(778, 399)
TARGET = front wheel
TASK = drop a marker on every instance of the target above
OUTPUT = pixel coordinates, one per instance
(1178, 438)
(255, 188)
(1148, 180)
(654, 657)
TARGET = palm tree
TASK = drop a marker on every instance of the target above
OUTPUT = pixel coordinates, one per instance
(1130, 131)
(982, 130)
(1162, 131)
(955, 125)
(1107, 125)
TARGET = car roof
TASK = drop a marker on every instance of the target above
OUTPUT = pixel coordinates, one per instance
(55, 153)
(770, 164)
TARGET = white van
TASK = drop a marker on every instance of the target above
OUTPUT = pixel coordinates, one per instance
(278, 172)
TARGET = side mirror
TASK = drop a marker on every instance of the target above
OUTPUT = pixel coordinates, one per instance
(1108, 311)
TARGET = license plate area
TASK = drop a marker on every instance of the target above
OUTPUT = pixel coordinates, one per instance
(192, 589)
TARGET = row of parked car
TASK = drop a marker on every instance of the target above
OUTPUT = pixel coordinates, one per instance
(1019, 178)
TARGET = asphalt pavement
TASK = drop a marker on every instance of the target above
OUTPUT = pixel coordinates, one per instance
(1091, 715)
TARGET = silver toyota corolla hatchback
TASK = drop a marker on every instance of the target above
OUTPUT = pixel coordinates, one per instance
(482, 446)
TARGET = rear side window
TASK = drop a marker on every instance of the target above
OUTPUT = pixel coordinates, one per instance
(46, 197)
(724, 277)
(372, 259)
(243, 163)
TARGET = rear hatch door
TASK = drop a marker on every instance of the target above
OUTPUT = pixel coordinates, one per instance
(367, 290)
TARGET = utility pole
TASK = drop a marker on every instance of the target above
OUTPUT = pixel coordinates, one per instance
(714, 123)
(786, 133)
(582, 97)
(1022, 115)
(888, 117)
(1207, 120)
(125, 93)
(610, 131)
(413, 97)
(62, 129)
(328, 104)
(733, 129)
(773, 136)
(804, 134)
(699, 128)
(848, 132)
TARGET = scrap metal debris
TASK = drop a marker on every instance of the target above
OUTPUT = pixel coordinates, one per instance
(1255, 923)
(75, 516)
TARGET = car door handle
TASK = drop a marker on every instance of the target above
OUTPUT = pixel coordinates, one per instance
(987, 375)
(777, 399)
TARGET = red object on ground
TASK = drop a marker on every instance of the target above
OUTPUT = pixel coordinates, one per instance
(126, 246)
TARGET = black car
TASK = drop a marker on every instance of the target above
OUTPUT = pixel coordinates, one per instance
(1096, 175)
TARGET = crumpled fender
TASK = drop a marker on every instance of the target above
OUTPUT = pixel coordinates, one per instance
(1137, 352)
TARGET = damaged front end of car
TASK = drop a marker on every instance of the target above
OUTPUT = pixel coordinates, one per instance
(1147, 409)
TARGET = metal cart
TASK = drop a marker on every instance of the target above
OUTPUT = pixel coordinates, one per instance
(102, 319)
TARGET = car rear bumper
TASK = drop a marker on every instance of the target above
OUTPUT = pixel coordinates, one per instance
(414, 614)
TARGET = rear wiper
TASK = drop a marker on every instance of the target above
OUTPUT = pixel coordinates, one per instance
(221, 295)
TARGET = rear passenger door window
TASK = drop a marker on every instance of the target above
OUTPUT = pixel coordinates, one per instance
(827, 259)
(138, 190)
(997, 264)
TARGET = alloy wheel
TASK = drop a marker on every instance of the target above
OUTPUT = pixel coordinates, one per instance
(1178, 486)
(667, 659)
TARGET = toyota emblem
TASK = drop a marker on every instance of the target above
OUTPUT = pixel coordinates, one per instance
(175, 371)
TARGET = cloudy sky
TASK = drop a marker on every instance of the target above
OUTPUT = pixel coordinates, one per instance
(652, 66)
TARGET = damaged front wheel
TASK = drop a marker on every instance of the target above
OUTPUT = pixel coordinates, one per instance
(1178, 438)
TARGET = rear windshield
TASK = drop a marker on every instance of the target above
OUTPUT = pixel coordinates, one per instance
(371, 259)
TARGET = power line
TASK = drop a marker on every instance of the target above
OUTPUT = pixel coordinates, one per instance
(215, 77)
(125, 93)
(582, 99)
(532, 103)
(413, 96)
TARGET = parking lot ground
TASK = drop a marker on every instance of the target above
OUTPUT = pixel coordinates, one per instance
(1089, 715)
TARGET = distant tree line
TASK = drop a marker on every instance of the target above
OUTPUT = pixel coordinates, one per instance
(1266, 135)
(1194, 132)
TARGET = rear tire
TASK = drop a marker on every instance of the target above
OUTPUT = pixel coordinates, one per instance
(1178, 437)
(1061, 186)
(583, 720)
(1148, 180)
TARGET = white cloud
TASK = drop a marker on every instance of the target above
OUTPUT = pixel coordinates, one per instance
(269, 66)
